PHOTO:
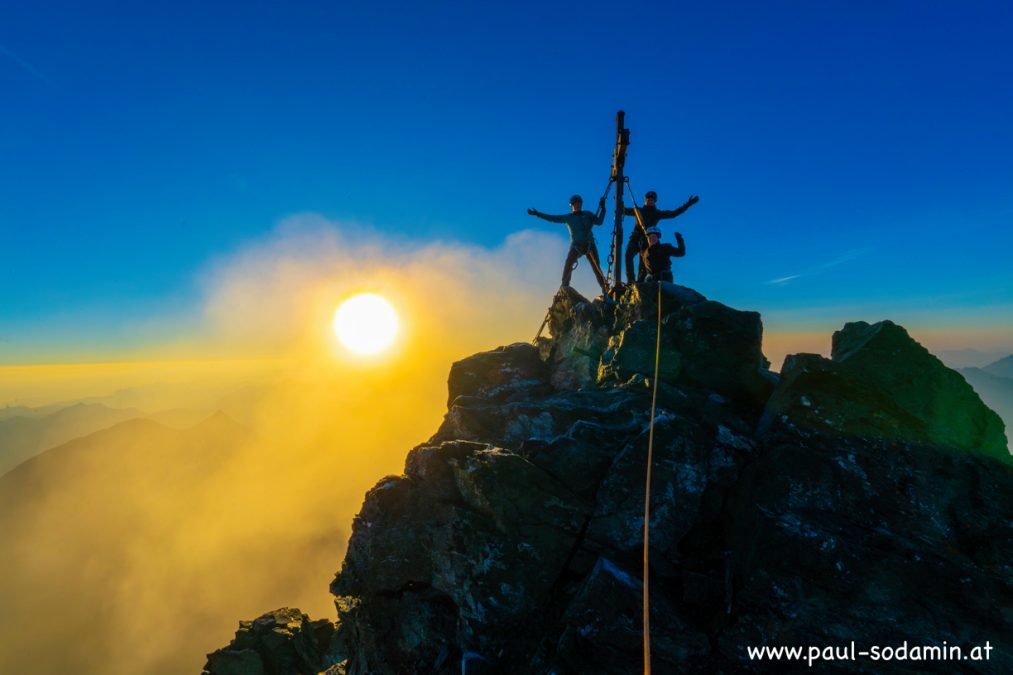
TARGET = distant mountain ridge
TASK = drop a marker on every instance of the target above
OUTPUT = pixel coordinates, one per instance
(27, 431)
(967, 358)
(80, 519)
(1001, 368)
(25, 435)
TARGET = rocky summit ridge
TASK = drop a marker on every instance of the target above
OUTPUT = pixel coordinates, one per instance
(865, 497)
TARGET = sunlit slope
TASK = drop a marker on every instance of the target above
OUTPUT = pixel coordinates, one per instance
(119, 548)
(24, 436)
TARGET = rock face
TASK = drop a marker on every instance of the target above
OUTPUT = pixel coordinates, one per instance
(854, 498)
(881, 383)
(282, 641)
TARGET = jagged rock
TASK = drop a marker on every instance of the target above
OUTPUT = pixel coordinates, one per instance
(602, 628)
(703, 344)
(640, 302)
(816, 394)
(839, 502)
(880, 542)
(473, 536)
(508, 372)
(885, 356)
(580, 331)
(515, 423)
(881, 383)
(632, 352)
(282, 642)
(690, 463)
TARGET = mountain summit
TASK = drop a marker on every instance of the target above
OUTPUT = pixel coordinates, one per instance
(863, 498)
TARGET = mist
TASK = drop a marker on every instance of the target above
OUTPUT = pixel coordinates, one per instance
(139, 548)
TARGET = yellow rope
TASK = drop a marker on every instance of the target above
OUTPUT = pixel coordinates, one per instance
(647, 498)
(650, 460)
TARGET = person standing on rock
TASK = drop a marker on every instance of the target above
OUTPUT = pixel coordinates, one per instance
(582, 243)
(657, 259)
(650, 214)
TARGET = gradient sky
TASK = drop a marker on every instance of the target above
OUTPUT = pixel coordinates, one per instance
(854, 159)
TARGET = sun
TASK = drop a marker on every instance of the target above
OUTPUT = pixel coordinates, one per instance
(366, 324)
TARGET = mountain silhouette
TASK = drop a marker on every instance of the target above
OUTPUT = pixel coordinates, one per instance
(26, 434)
(88, 528)
(865, 497)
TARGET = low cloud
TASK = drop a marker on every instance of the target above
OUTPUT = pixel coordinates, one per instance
(279, 294)
(267, 526)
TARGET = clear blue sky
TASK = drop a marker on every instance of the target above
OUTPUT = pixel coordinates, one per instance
(861, 153)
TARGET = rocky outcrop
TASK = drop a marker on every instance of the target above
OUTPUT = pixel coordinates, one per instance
(880, 383)
(283, 641)
(843, 501)
(704, 344)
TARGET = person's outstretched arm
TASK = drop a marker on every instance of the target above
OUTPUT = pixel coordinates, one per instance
(679, 211)
(680, 250)
(545, 216)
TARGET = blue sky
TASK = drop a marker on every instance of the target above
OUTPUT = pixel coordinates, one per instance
(854, 160)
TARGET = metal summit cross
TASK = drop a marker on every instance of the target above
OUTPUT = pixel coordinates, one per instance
(618, 163)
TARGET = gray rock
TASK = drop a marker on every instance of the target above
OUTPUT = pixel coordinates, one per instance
(282, 642)
(703, 344)
(852, 498)
(880, 383)
(580, 332)
(509, 372)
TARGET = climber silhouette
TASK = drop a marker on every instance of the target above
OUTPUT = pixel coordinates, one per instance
(656, 260)
(650, 214)
(582, 243)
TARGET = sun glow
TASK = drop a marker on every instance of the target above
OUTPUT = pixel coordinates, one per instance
(366, 324)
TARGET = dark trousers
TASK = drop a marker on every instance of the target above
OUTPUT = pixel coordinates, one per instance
(588, 250)
(634, 248)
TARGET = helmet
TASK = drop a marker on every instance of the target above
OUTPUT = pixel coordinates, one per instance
(651, 194)
(576, 198)
(655, 231)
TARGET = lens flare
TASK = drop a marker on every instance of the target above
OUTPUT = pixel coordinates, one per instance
(366, 324)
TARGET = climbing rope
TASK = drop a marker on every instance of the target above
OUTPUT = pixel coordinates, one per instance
(650, 435)
(647, 497)
(636, 209)
(650, 460)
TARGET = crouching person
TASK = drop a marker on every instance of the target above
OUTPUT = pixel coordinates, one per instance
(657, 258)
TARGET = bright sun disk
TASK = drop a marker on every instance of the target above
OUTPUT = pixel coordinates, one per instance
(366, 323)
